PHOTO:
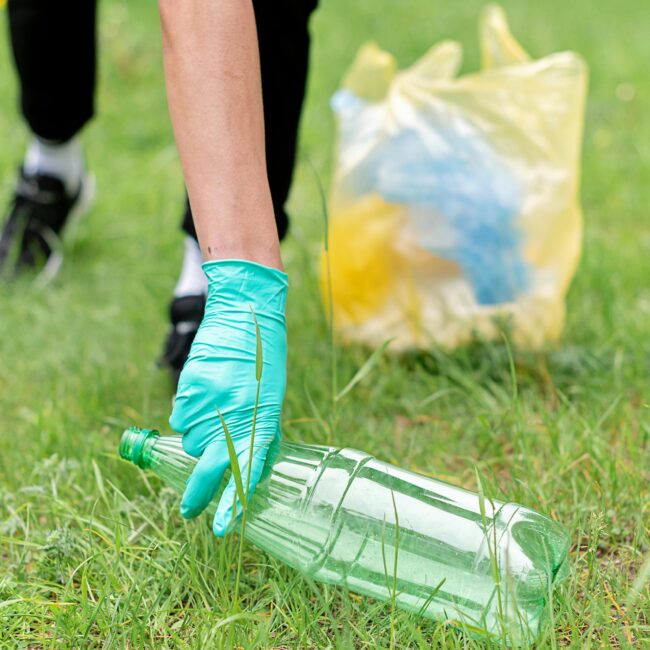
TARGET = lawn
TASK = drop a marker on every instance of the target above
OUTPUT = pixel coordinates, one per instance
(94, 552)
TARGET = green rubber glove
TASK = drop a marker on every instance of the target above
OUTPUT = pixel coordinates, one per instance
(220, 374)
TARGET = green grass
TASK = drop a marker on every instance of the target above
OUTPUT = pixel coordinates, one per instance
(95, 554)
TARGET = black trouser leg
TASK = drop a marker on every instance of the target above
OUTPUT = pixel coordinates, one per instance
(282, 27)
(54, 45)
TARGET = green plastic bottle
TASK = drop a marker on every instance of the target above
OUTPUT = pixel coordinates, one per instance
(338, 515)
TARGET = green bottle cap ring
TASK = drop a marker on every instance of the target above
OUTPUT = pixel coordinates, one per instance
(132, 444)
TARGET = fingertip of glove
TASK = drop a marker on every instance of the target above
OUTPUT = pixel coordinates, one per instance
(174, 421)
(221, 522)
(188, 510)
(177, 418)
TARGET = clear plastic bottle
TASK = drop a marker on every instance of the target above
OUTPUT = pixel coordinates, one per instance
(343, 517)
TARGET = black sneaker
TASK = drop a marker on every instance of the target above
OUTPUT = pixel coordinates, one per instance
(31, 235)
(186, 314)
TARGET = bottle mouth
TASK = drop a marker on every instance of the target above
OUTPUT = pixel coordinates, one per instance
(133, 442)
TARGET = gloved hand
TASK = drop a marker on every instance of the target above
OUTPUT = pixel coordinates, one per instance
(220, 374)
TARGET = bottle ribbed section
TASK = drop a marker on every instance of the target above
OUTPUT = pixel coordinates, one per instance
(279, 521)
(296, 469)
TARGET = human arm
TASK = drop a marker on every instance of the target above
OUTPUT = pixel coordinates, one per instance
(214, 92)
(212, 73)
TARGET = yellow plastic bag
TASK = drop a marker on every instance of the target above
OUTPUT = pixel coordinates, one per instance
(455, 200)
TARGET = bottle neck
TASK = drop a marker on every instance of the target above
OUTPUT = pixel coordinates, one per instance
(136, 445)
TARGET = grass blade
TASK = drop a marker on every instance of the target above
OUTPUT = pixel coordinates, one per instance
(234, 462)
(259, 359)
(642, 578)
(330, 298)
(317, 415)
(365, 369)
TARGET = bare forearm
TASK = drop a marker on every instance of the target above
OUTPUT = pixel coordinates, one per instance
(212, 73)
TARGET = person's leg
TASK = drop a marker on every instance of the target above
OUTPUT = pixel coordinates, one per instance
(54, 47)
(284, 55)
(283, 35)
(284, 40)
